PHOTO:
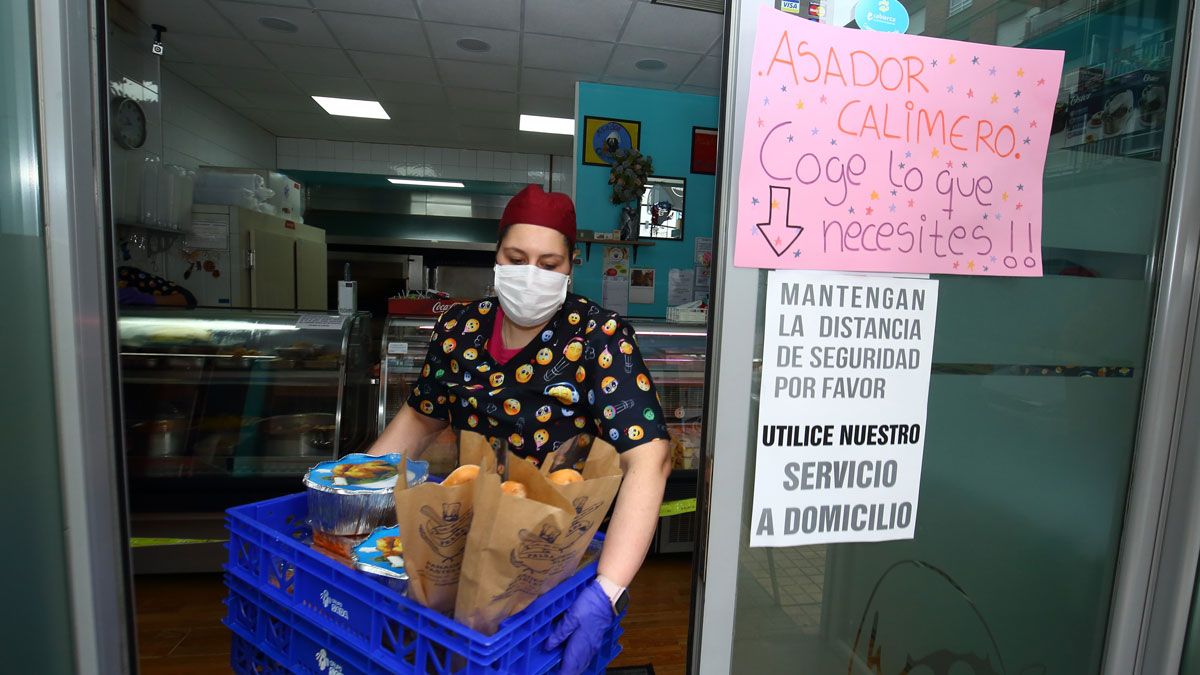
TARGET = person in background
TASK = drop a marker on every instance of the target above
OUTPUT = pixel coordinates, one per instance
(539, 366)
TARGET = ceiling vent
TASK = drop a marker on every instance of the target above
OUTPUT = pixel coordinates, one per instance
(715, 6)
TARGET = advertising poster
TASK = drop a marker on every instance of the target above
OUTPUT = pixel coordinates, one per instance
(614, 286)
(679, 286)
(702, 248)
(883, 152)
(841, 427)
(641, 285)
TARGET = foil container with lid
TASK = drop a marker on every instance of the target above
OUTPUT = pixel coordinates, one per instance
(355, 494)
(382, 554)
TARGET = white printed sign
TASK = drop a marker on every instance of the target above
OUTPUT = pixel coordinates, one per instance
(841, 428)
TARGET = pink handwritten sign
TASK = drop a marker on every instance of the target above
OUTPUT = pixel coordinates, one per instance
(881, 152)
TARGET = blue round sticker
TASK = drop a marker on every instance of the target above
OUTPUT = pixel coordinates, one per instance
(610, 138)
(885, 16)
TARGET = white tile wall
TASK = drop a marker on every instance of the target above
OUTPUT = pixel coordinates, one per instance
(414, 161)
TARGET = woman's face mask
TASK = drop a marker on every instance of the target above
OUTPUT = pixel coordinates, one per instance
(530, 295)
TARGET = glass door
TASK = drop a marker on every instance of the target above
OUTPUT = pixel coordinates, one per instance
(1033, 407)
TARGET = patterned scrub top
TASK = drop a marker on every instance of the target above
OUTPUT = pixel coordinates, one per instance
(582, 375)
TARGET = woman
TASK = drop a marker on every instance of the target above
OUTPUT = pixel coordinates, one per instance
(539, 366)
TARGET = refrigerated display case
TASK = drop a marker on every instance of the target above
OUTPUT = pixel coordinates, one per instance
(223, 407)
(674, 353)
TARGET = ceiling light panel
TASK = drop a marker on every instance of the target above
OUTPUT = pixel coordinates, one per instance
(426, 183)
(352, 107)
(548, 125)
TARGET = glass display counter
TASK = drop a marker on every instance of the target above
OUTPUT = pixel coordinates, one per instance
(224, 406)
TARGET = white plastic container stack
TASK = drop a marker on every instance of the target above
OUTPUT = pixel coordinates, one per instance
(245, 189)
(289, 196)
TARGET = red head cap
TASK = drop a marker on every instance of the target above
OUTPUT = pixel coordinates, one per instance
(535, 206)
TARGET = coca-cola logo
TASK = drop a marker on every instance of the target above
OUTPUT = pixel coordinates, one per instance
(441, 306)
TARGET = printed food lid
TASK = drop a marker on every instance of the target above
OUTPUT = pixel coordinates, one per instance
(360, 472)
(381, 553)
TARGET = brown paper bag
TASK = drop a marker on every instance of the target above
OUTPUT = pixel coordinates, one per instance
(434, 521)
(591, 498)
(520, 547)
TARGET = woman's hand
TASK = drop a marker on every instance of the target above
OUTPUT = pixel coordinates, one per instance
(409, 433)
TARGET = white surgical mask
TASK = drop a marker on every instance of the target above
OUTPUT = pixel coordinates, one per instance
(530, 295)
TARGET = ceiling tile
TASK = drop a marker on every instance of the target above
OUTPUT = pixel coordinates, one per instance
(492, 119)
(547, 105)
(550, 82)
(315, 60)
(395, 68)
(403, 9)
(378, 34)
(197, 16)
(244, 17)
(482, 99)
(248, 79)
(673, 28)
(488, 138)
(324, 85)
(544, 144)
(478, 75)
(185, 47)
(281, 102)
(230, 97)
(679, 64)
(408, 92)
(587, 19)
(707, 74)
(569, 54)
(192, 73)
(491, 13)
(442, 38)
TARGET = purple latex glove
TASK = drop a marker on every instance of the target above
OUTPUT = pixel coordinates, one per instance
(581, 628)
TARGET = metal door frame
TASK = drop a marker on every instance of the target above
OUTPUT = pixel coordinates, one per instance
(1160, 542)
(69, 52)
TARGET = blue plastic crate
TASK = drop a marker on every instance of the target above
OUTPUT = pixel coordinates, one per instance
(358, 619)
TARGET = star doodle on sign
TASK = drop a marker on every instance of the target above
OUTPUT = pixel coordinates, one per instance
(796, 253)
(892, 208)
(1020, 72)
(992, 71)
(774, 203)
(823, 99)
(950, 89)
(964, 165)
(952, 59)
(870, 210)
(760, 122)
(799, 105)
(933, 63)
(995, 98)
(998, 215)
(766, 101)
(955, 264)
(985, 268)
(975, 60)
(1041, 82)
(893, 193)
(907, 154)
(970, 93)
(778, 241)
(1004, 197)
(949, 164)
(1020, 187)
(900, 165)
(874, 194)
(1016, 110)
(1019, 205)
(1026, 141)
(971, 265)
(1017, 94)
(815, 131)
(851, 209)
(935, 153)
(790, 138)
(783, 88)
(985, 216)
(911, 203)
(1033, 124)
(993, 259)
(754, 201)
(833, 141)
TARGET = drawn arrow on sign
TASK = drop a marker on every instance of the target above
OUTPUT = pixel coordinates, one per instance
(778, 230)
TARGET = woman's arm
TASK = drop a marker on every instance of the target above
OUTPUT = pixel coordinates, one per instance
(636, 514)
(409, 433)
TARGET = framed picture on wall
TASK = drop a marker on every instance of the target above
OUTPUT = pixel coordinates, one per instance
(704, 150)
(604, 137)
(660, 211)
